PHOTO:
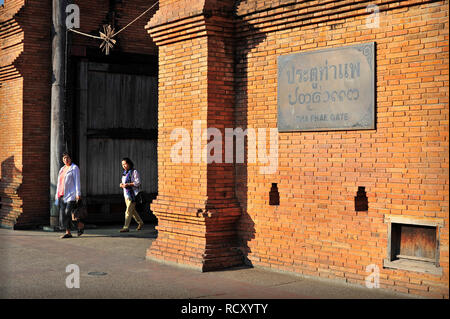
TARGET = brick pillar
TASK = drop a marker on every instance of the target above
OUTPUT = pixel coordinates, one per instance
(196, 205)
(25, 81)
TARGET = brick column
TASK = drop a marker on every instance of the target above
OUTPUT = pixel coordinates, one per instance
(196, 205)
(25, 82)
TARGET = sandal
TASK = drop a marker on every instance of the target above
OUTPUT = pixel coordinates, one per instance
(80, 230)
(66, 236)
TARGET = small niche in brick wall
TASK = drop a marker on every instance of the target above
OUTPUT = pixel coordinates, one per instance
(361, 201)
(413, 245)
(274, 196)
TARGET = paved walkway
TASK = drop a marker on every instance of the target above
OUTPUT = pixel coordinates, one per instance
(113, 265)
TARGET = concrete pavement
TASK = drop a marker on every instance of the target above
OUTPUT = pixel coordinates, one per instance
(113, 265)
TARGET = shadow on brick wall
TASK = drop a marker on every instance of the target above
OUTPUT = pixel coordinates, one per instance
(244, 45)
(10, 182)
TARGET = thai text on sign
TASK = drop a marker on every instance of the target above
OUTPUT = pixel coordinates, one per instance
(331, 89)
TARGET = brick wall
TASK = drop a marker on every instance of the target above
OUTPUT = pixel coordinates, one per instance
(315, 230)
(25, 112)
(403, 164)
(11, 110)
(35, 67)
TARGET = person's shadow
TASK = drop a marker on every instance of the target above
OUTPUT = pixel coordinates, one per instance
(10, 182)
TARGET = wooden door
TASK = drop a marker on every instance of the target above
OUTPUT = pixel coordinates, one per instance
(117, 118)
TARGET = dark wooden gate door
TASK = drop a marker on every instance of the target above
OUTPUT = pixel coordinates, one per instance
(117, 118)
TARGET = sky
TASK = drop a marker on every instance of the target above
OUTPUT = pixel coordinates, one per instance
(1, 2)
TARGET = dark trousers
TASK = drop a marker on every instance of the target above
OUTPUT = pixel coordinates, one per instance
(65, 213)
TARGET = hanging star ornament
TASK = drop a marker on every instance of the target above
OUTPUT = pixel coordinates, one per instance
(107, 37)
(108, 32)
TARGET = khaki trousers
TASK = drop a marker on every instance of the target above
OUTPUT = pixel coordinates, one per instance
(131, 212)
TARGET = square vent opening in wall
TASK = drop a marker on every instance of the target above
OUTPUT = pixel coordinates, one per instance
(413, 242)
(413, 246)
